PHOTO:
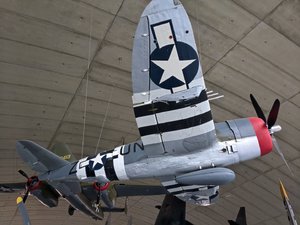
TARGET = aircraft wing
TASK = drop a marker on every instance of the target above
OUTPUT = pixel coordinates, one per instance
(38, 158)
(12, 187)
(169, 95)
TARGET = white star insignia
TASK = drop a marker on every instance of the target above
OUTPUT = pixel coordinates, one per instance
(97, 159)
(173, 66)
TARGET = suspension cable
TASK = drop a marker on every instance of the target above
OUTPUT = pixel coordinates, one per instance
(104, 119)
(87, 83)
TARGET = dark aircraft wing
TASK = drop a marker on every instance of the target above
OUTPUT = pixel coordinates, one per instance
(12, 187)
(231, 222)
(172, 212)
(38, 158)
(240, 219)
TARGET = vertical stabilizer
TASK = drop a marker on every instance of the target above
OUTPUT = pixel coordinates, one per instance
(63, 151)
(240, 219)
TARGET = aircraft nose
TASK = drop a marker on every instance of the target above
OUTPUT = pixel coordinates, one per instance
(262, 134)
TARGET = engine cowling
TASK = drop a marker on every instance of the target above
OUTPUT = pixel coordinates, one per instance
(248, 137)
(262, 134)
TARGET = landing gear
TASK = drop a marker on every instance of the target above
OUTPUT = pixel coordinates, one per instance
(71, 210)
(97, 204)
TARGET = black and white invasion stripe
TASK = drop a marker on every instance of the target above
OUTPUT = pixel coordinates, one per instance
(174, 188)
(174, 120)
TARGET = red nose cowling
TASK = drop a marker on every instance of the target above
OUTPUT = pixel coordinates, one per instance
(262, 134)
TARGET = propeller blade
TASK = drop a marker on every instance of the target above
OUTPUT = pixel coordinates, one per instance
(273, 114)
(258, 110)
(23, 174)
(23, 211)
(276, 145)
(26, 196)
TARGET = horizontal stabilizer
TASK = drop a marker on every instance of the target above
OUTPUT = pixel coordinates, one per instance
(38, 158)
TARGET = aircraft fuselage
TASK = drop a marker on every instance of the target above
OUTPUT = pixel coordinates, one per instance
(236, 142)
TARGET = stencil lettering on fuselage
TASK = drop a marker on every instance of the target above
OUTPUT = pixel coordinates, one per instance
(109, 164)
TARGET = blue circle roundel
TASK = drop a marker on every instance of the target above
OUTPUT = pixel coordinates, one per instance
(173, 65)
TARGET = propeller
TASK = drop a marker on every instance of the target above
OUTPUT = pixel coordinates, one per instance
(31, 181)
(258, 110)
(276, 145)
(273, 114)
(27, 189)
(23, 174)
(23, 211)
(270, 123)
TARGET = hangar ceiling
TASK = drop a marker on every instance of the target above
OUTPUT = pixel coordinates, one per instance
(246, 46)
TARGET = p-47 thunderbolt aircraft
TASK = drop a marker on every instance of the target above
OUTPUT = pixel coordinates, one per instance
(180, 144)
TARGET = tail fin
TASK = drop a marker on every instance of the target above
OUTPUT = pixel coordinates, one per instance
(172, 211)
(63, 151)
